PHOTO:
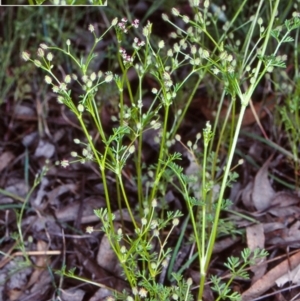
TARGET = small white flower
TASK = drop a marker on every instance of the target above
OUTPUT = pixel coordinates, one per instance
(93, 76)
(154, 91)
(215, 71)
(49, 56)
(176, 47)
(206, 4)
(131, 149)
(173, 35)
(230, 69)
(80, 108)
(55, 89)
(165, 17)
(123, 250)
(154, 224)
(193, 49)
(40, 52)
(186, 19)
(143, 292)
(25, 56)
(165, 262)
(109, 77)
(68, 79)
(175, 221)
(68, 42)
(178, 137)
(189, 281)
(91, 28)
(48, 79)
(154, 203)
(260, 21)
(89, 229)
(161, 44)
(135, 23)
(114, 22)
(60, 99)
(37, 63)
(44, 46)
(205, 54)
(229, 58)
(74, 154)
(89, 84)
(134, 291)
(175, 11)
(62, 87)
(64, 163)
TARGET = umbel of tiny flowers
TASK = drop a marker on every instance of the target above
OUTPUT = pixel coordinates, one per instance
(123, 27)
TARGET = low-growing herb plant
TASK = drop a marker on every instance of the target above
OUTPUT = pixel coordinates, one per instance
(289, 117)
(144, 253)
(67, 2)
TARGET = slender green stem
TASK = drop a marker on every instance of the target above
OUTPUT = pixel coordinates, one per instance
(126, 201)
(245, 98)
(100, 161)
(162, 152)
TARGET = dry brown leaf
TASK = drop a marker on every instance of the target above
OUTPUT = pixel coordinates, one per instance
(225, 243)
(43, 284)
(45, 149)
(106, 257)
(72, 294)
(287, 236)
(5, 159)
(21, 110)
(15, 189)
(291, 276)
(55, 193)
(41, 262)
(287, 204)
(271, 227)
(269, 279)
(247, 196)
(101, 294)
(256, 240)
(70, 212)
(38, 200)
(263, 193)
(15, 279)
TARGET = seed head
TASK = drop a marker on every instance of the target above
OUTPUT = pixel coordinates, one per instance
(40, 52)
(48, 79)
(25, 56)
(175, 12)
(49, 56)
(114, 22)
(44, 46)
(91, 28)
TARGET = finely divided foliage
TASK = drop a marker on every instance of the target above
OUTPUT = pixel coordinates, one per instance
(144, 253)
